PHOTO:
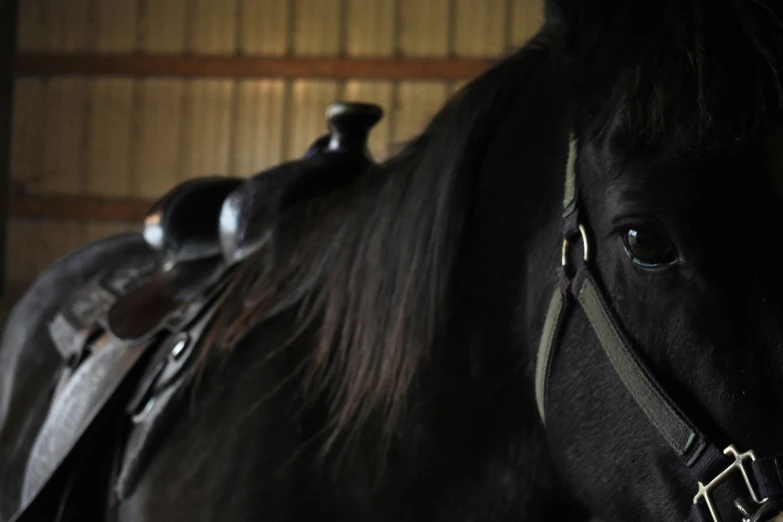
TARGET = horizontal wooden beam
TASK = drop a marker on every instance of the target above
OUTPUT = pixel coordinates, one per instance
(27, 64)
(79, 208)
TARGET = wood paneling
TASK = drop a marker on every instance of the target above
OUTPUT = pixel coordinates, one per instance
(55, 239)
(110, 138)
(370, 28)
(8, 20)
(115, 26)
(206, 127)
(23, 261)
(65, 136)
(192, 88)
(382, 94)
(214, 27)
(80, 208)
(264, 27)
(424, 27)
(28, 134)
(415, 104)
(317, 27)
(67, 25)
(235, 67)
(36, 244)
(259, 125)
(308, 103)
(480, 27)
(158, 131)
(31, 26)
(162, 25)
(527, 16)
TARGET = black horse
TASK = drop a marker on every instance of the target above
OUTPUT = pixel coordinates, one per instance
(426, 339)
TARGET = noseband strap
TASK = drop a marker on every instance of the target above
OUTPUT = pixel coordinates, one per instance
(708, 465)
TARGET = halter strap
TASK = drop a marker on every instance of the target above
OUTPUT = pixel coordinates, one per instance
(708, 465)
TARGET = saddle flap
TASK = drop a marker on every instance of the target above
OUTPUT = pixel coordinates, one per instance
(167, 299)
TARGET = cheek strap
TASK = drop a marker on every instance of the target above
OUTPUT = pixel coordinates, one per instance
(707, 464)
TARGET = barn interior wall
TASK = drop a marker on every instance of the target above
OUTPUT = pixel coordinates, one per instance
(140, 136)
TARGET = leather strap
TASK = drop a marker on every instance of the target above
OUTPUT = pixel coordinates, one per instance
(554, 316)
(703, 458)
(673, 425)
(70, 418)
(671, 422)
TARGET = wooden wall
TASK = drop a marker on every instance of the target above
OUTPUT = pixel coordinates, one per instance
(132, 136)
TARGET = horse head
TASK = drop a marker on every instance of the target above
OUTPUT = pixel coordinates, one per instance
(675, 162)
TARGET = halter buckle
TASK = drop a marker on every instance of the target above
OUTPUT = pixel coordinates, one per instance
(585, 246)
(740, 459)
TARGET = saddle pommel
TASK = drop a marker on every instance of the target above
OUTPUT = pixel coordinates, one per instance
(350, 124)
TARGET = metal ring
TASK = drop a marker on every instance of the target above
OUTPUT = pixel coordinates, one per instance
(585, 246)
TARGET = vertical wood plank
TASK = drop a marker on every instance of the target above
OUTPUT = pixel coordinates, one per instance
(58, 238)
(265, 27)
(163, 25)
(424, 27)
(8, 39)
(527, 17)
(159, 127)
(208, 131)
(67, 24)
(110, 134)
(28, 134)
(116, 28)
(259, 125)
(64, 143)
(309, 100)
(34, 245)
(317, 27)
(382, 94)
(416, 104)
(22, 252)
(370, 27)
(31, 26)
(214, 30)
(480, 28)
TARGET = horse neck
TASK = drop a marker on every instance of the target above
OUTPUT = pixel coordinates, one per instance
(477, 393)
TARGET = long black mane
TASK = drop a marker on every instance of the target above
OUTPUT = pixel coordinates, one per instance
(375, 261)
(372, 265)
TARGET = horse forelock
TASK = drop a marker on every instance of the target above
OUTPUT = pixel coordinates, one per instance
(700, 73)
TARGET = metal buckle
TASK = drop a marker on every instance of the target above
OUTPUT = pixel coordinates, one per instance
(585, 246)
(705, 492)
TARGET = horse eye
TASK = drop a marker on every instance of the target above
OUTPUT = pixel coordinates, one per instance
(648, 248)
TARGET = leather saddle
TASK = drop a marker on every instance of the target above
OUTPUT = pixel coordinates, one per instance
(128, 337)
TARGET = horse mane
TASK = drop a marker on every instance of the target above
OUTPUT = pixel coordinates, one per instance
(697, 73)
(369, 267)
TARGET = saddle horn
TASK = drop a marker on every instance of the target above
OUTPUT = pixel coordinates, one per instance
(250, 212)
(350, 124)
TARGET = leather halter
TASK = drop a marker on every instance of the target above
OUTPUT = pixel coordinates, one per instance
(708, 466)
